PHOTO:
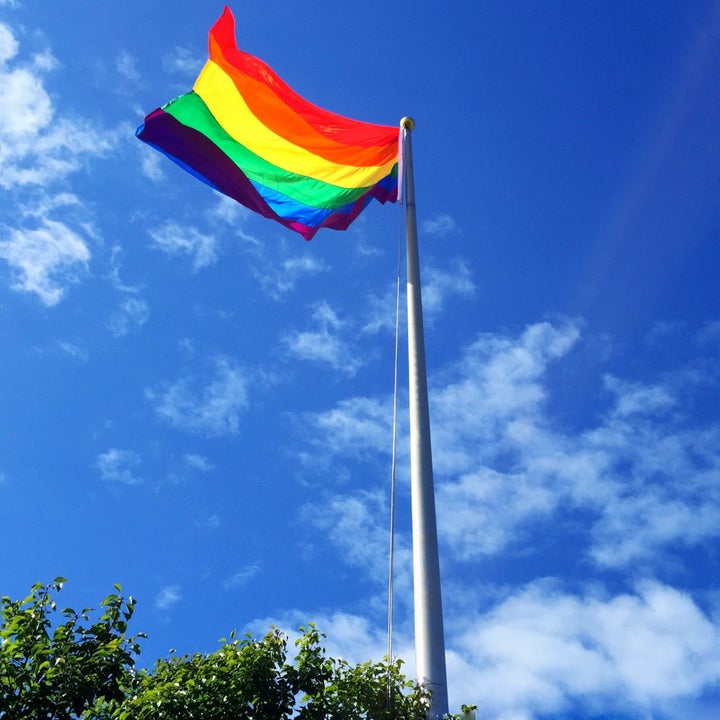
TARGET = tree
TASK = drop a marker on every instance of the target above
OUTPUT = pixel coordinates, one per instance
(80, 669)
(59, 670)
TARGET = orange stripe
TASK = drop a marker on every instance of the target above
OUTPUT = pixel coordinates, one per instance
(277, 106)
(232, 113)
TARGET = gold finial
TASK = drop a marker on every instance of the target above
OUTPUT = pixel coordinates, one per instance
(408, 123)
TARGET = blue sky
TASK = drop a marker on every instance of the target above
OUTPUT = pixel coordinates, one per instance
(196, 403)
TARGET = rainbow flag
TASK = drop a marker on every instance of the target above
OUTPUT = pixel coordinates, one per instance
(246, 133)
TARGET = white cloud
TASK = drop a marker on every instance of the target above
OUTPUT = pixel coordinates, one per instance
(44, 157)
(209, 405)
(496, 387)
(8, 44)
(635, 398)
(132, 313)
(118, 466)
(380, 312)
(542, 650)
(198, 462)
(643, 477)
(211, 522)
(115, 267)
(43, 204)
(127, 66)
(183, 61)
(357, 427)
(168, 597)
(45, 259)
(151, 163)
(44, 61)
(357, 527)
(175, 239)
(241, 578)
(440, 225)
(39, 146)
(73, 350)
(480, 513)
(439, 284)
(709, 333)
(503, 464)
(36, 146)
(325, 344)
(349, 636)
(279, 278)
(228, 211)
(27, 107)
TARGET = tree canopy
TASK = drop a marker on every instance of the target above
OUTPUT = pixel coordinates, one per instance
(69, 665)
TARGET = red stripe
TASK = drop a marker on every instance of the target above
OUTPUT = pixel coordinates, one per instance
(334, 127)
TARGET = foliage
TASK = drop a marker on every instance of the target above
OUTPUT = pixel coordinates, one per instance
(58, 670)
(71, 670)
(467, 712)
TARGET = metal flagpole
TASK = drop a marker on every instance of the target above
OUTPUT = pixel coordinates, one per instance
(429, 633)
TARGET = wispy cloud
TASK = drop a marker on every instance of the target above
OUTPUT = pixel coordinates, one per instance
(38, 146)
(119, 466)
(349, 636)
(133, 311)
(380, 312)
(356, 525)
(242, 577)
(151, 163)
(74, 350)
(355, 428)
(709, 333)
(505, 467)
(41, 205)
(175, 239)
(198, 462)
(279, 278)
(228, 211)
(28, 108)
(622, 473)
(8, 44)
(45, 259)
(132, 314)
(440, 225)
(168, 597)
(44, 243)
(183, 61)
(210, 522)
(439, 284)
(126, 65)
(325, 343)
(208, 404)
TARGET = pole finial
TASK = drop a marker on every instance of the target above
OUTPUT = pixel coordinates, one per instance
(407, 123)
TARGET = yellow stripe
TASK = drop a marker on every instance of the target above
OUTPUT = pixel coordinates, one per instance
(219, 93)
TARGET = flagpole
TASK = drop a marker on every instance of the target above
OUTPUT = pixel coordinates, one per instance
(429, 633)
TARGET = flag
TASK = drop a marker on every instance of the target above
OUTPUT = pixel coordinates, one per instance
(246, 133)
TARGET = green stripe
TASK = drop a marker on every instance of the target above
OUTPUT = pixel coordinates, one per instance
(190, 110)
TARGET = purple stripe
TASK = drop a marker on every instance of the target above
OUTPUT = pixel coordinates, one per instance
(189, 148)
